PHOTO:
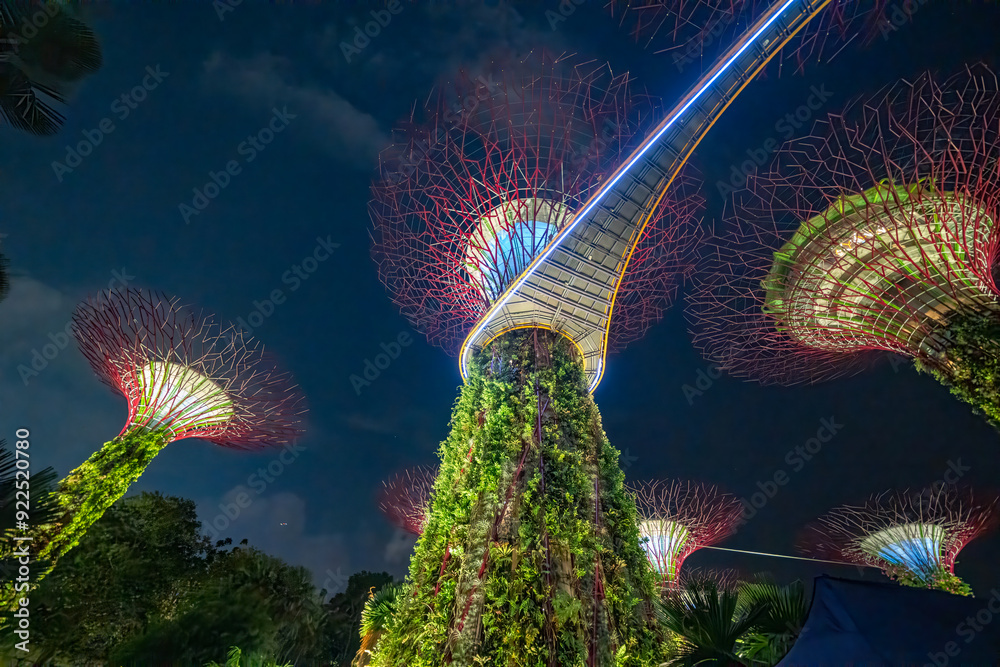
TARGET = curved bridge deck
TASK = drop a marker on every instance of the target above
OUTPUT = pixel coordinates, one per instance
(570, 287)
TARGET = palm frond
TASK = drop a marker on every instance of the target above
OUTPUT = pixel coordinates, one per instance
(710, 620)
(22, 107)
(64, 48)
(785, 607)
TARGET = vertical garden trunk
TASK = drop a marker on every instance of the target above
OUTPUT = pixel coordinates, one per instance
(531, 553)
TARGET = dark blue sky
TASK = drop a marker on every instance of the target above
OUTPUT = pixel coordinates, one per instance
(118, 211)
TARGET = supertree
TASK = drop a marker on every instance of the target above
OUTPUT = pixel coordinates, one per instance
(530, 553)
(676, 518)
(686, 28)
(913, 537)
(404, 498)
(874, 235)
(183, 376)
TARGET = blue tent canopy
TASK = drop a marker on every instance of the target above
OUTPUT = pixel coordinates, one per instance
(876, 625)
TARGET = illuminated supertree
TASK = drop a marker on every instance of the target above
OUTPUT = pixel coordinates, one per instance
(913, 537)
(530, 552)
(405, 497)
(183, 376)
(676, 518)
(876, 234)
(686, 28)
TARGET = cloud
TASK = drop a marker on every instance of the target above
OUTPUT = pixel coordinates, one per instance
(266, 80)
(275, 522)
(399, 549)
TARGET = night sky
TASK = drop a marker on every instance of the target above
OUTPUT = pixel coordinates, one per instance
(116, 216)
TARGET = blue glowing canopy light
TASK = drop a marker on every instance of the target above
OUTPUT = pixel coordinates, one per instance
(508, 238)
(915, 546)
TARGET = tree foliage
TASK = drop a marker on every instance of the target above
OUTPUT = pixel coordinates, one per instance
(784, 613)
(375, 620)
(145, 587)
(345, 610)
(83, 497)
(746, 623)
(45, 48)
(970, 367)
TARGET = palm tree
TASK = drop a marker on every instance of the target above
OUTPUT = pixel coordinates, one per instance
(709, 620)
(375, 618)
(42, 49)
(785, 611)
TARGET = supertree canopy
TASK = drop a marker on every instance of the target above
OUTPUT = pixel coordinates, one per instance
(183, 376)
(686, 28)
(676, 518)
(874, 235)
(405, 497)
(469, 197)
(530, 553)
(913, 537)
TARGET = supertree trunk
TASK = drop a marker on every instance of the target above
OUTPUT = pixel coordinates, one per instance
(530, 554)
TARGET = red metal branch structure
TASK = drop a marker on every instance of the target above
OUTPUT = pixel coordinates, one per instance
(912, 537)
(404, 499)
(686, 28)
(874, 235)
(183, 376)
(468, 198)
(676, 518)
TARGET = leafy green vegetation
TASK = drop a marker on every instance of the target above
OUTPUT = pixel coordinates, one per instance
(784, 612)
(146, 587)
(375, 620)
(237, 659)
(970, 367)
(345, 611)
(85, 495)
(751, 623)
(942, 580)
(531, 551)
